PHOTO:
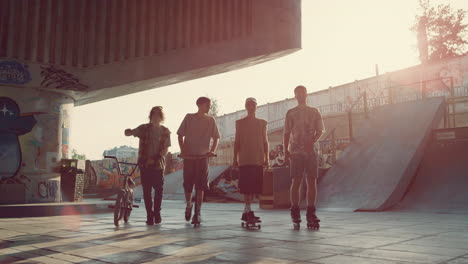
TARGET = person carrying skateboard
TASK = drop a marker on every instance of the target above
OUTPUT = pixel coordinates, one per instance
(194, 136)
(155, 141)
(251, 156)
(302, 129)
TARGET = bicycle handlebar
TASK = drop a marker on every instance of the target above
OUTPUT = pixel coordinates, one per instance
(121, 162)
(111, 157)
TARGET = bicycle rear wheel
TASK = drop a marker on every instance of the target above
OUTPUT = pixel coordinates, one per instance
(119, 209)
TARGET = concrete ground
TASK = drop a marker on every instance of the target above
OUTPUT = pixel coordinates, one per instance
(389, 237)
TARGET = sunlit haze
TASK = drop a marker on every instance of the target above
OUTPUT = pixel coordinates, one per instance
(342, 41)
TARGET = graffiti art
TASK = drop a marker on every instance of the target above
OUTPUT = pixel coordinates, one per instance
(276, 156)
(12, 72)
(60, 79)
(12, 125)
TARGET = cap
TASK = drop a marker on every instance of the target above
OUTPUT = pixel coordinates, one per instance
(251, 99)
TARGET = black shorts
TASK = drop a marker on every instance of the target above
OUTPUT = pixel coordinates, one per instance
(251, 179)
(196, 174)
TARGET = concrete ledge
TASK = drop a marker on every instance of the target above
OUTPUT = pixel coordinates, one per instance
(91, 206)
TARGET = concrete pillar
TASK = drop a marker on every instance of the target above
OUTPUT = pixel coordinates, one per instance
(33, 141)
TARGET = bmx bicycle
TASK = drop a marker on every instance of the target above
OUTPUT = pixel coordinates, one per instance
(124, 202)
(196, 219)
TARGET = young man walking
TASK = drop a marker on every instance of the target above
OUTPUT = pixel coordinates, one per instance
(251, 156)
(302, 129)
(195, 134)
(154, 144)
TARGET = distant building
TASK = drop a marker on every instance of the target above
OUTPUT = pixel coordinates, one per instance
(122, 152)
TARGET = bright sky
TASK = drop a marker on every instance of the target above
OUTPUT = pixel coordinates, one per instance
(341, 41)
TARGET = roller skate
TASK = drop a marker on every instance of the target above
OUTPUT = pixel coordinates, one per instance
(249, 220)
(296, 217)
(196, 219)
(312, 219)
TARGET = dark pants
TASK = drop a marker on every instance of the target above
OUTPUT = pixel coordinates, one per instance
(152, 178)
(196, 174)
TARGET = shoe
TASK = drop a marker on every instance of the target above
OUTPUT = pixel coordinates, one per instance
(150, 220)
(157, 218)
(245, 216)
(252, 216)
(188, 213)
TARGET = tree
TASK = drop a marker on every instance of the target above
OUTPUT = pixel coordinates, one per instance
(214, 109)
(77, 156)
(441, 32)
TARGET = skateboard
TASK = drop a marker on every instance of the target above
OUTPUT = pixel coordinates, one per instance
(251, 224)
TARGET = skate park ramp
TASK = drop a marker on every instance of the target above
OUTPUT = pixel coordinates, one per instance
(441, 182)
(374, 171)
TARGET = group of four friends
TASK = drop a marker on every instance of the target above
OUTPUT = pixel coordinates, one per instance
(198, 138)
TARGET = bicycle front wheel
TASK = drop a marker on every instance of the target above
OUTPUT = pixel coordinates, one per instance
(119, 208)
(128, 208)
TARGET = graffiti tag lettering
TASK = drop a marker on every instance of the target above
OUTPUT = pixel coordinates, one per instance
(12, 72)
(60, 79)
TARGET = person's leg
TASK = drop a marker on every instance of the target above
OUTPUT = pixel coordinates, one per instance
(248, 202)
(147, 187)
(201, 184)
(256, 183)
(296, 171)
(244, 187)
(311, 177)
(188, 187)
(158, 194)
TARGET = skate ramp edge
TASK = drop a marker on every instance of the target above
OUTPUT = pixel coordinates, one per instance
(441, 182)
(375, 170)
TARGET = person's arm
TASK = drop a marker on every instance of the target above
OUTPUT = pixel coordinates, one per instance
(181, 144)
(181, 134)
(265, 146)
(320, 127)
(167, 144)
(215, 135)
(134, 132)
(214, 146)
(286, 136)
(235, 162)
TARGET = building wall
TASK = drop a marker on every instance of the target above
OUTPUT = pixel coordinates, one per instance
(334, 102)
(337, 100)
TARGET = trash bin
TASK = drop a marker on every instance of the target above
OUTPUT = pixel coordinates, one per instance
(71, 180)
(266, 198)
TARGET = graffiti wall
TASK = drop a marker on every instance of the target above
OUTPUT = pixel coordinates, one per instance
(107, 174)
(34, 129)
(33, 141)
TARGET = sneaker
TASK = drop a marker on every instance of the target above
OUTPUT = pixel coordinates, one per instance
(157, 218)
(188, 213)
(150, 220)
(245, 216)
(252, 216)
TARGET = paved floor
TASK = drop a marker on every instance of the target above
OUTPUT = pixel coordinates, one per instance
(390, 237)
